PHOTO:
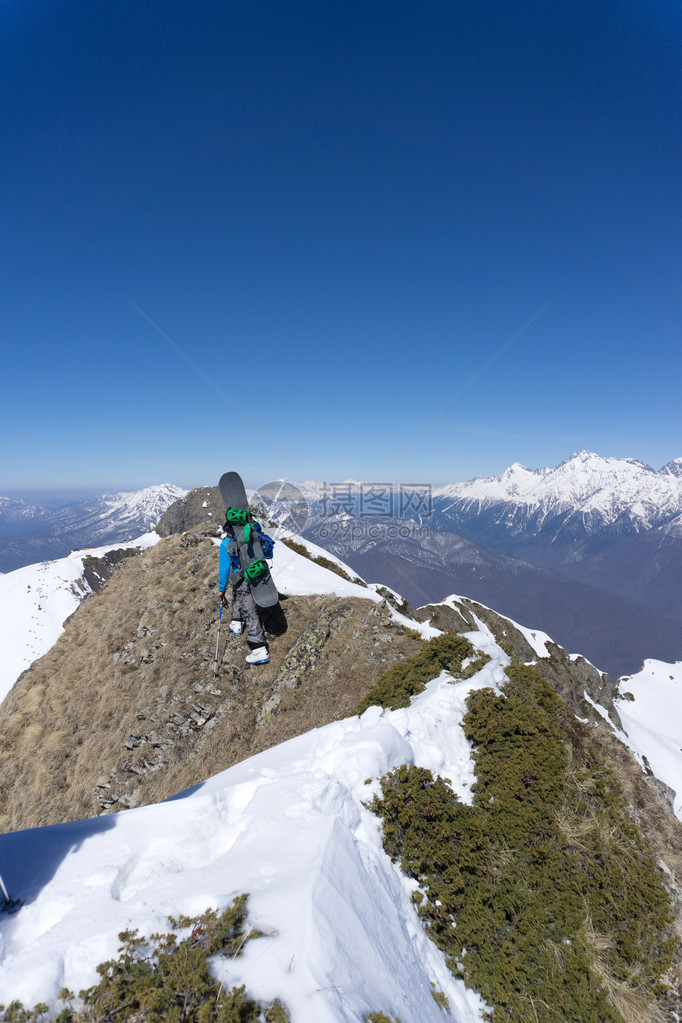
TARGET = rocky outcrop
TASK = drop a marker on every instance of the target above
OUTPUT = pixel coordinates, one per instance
(97, 571)
(303, 656)
(201, 509)
(444, 617)
(578, 681)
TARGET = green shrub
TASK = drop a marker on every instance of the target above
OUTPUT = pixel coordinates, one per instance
(276, 1013)
(167, 978)
(379, 1017)
(475, 666)
(403, 680)
(542, 893)
(441, 999)
(16, 1013)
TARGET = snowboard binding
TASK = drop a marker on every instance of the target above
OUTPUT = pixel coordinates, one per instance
(255, 570)
(237, 515)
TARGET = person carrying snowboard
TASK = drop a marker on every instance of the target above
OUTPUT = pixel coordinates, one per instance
(244, 611)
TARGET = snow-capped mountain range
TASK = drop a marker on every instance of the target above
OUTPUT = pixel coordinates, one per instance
(32, 532)
(144, 506)
(613, 523)
(601, 491)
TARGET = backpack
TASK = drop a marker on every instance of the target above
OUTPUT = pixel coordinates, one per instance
(266, 542)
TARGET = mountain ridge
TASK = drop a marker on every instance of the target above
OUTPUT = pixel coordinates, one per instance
(121, 713)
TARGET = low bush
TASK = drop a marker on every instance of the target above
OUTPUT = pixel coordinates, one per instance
(542, 894)
(166, 978)
(403, 680)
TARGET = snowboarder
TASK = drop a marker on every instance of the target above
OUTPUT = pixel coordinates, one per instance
(244, 611)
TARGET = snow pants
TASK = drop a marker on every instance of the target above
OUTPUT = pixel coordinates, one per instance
(244, 610)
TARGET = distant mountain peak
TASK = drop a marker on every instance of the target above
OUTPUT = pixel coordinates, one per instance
(673, 468)
(149, 503)
(603, 463)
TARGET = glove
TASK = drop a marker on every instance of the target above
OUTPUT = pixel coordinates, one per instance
(223, 598)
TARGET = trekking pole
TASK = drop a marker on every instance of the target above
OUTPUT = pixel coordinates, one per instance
(9, 905)
(217, 642)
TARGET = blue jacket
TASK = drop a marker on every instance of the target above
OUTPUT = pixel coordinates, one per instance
(228, 562)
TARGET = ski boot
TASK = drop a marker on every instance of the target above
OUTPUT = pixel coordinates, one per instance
(258, 656)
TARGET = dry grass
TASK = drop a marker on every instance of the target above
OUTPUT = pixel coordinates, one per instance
(112, 702)
(664, 833)
(633, 1003)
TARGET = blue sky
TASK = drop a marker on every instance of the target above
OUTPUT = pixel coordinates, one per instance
(340, 213)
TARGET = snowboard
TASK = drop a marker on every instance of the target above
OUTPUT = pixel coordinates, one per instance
(263, 586)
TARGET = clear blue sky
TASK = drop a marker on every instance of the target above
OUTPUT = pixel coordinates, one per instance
(339, 212)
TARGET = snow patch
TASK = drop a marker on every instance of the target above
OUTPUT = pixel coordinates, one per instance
(290, 827)
(652, 721)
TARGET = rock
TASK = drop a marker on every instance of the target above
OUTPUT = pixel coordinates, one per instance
(442, 616)
(201, 509)
(129, 801)
(269, 709)
(399, 603)
(666, 793)
(307, 651)
(97, 571)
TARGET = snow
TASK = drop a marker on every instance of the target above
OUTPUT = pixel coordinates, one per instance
(291, 828)
(653, 721)
(37, 600)
(535, 638)
(296, 574)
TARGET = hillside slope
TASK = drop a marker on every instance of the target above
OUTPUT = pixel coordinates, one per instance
(125, 710)
(614, 633)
